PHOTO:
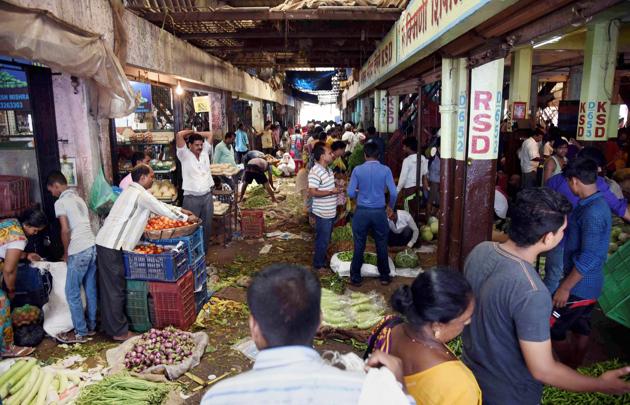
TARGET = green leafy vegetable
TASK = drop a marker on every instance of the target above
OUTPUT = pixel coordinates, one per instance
(407, 259)
(342, 233)
(368, 258)
(121, 388)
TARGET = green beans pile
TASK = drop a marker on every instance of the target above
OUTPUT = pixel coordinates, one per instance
(121, 388)
(342, 233)
(368, 258)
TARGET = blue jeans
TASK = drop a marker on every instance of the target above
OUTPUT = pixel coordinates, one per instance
(323, 231)
(554, 268)
(364, 221)
(82, 272)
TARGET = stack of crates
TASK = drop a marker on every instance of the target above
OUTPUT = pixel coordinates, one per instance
(161, 287)
(615, 298)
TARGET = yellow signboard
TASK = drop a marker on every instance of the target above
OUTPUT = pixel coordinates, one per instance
(201, 104)
(383, 58)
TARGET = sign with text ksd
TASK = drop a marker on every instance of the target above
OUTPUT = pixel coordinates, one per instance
(593, 120)
(383, 59)
(486, 100)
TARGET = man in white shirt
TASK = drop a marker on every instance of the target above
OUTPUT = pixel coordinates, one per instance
(407, 187)
(403, 230)
(193, 151)
(122, 230)
(529, 155)
(350, 138)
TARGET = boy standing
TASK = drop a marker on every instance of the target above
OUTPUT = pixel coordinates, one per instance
(80, 254)
(585, 253)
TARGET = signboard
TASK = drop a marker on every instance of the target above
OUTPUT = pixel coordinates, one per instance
(13, 89)
(593, 120)
(142, 92)
(387, 112)
(201, 104)
(383, 58)
(460, 137)
(486, 99)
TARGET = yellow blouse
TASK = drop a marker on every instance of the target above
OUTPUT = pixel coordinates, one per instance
(448, 383)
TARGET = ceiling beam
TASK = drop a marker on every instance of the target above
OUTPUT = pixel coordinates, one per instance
(256, 34)
(293, 48)
(351, 13)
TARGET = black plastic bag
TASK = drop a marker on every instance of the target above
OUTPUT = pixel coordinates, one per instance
(29, 335)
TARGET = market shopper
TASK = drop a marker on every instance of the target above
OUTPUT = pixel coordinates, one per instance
(285, 313)
(507, 344)
(403, 230)
(287, 165)
(255, 169)
(224, 151)
(122, 230)
(351, 138)
(372, 136)
(241, 143)
(13, 238)
(407, 187)
(80, 254)
(338, 149)
(266, 138)
(368, 184)
(556, 162)
(529, 156)
(137, 157)
(432, 311)
(585, 252)
(321, 187)
(193, 151)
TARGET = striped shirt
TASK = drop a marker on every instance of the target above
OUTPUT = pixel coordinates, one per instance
(127, 219)
(322, 179)
(290, 375)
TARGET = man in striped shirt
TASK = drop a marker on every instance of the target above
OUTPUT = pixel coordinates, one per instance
(122, 230)
(321, 187)
(284, 301)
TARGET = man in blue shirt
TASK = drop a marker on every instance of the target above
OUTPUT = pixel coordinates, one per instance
(585, 252)
(241, 144)
(367, 184)
(374, 138)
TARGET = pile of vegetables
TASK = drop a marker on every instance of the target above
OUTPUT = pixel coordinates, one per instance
(25, 315)
(27, 383)
(257, 201)
(407, 259)
(368, 258)
(356, 158)
(352, 309)
(159, 223)
(342, 233)
(155, 347)
(149, 249)
(429, 231)
(121, 388)
(619, 235)
(556, 396)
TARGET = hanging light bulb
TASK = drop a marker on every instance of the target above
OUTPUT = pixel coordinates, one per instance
(178, 90)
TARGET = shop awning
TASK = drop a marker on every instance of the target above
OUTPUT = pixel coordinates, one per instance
(39, 36)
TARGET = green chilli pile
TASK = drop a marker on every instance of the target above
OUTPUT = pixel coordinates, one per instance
(407, 259)
(258, 201)
(342, 233)
(121, 388)
(352, 310)
(368, 258)
(556, 396)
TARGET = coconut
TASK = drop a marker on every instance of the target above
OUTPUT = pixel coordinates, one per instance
(434, 227)
(426, 234)
(432, 220)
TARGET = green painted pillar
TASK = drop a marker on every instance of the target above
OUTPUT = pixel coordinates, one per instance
(520, 103)
(598, 75)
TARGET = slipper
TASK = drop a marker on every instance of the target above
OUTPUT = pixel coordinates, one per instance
(18, 351)
(70, 337)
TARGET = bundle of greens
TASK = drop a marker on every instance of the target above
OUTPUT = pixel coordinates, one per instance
(368, 258)
(356, 158)
(342, 233)
(257, 201)
(121, 388)
(407, 259)
(352, 309)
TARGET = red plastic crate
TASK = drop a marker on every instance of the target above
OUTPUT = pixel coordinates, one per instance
(253, 223)
(174, 303)
(14, 194)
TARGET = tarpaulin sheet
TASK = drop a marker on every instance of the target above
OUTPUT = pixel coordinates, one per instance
(307, 80)
(39, 36)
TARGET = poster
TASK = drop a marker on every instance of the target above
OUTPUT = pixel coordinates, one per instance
(593, 120)
(519, 110)
(142, 92)
(486, 99)
(13, 89)
(69, 170)
(201, 104)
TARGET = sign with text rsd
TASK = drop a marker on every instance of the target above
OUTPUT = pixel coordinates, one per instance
(201, 104)
(486, 100)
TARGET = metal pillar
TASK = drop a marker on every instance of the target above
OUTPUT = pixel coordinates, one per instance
(600, 53)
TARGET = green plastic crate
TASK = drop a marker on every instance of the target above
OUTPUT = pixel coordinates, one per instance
(615, 298)
(138, 306)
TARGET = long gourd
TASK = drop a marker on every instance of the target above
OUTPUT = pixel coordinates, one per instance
(4, 379)
(43, 389)
(20, 374)
(15, 388)
(26, 389)
(31, 394)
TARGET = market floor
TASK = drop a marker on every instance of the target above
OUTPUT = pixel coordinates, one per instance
(230, 270)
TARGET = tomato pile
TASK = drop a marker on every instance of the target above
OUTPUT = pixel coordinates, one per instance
(25, 315)
(158, 223)
(149, 249)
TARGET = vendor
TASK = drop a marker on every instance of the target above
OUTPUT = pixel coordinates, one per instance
(287, 165)
(122, 230)
(255, 169)
(224, 154)
(13, 235)
(137, 157)
(402, 229)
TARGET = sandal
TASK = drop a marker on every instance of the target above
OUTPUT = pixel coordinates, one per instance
(17, 351)
(71, 337)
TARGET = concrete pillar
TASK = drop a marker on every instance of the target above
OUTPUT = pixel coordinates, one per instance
(574, 83)
(532, 106)
(521, 84)
(600, 53)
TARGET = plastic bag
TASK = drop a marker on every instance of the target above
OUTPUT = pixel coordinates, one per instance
(367, 270)
(102, 195)
(351, 310)
(29, 335)
(116, 358)
(380, 387)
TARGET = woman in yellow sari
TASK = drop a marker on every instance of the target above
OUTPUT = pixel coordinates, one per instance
(13, 235)
(434, 309)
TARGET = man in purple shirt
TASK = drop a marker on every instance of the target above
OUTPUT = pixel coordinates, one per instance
(554, 261)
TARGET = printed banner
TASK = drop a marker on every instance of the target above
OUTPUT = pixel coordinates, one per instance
(142, 92)
(13, 89)
(201, 104)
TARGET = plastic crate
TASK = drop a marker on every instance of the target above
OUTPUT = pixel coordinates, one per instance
(14, 194)
(615, 298)
(138, 306)
(253, 223)
(193, 242)
(199, 273)
(174, 303)
(167, 266)
(201, 298)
